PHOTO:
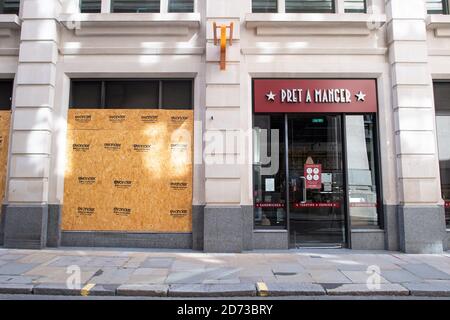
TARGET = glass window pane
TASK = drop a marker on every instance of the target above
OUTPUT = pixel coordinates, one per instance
(442, 104)
(306, 6)
(181, 5)
(86, 94)
(6, 88)
(362, 192)
(90, 6)
(269, 172)
(177, 94)
(443, 132)
(436, 6)
(355, 6)
(9, 6)
(442, 96)
(136, 6)
(132, 94)
(264, 6)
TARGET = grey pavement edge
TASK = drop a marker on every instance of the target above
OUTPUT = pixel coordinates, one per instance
(230, 290)
(138, 290)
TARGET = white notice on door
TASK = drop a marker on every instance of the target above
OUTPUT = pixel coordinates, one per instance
(327, 177)
(270, 185)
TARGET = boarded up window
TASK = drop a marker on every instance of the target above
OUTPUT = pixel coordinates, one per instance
(129, 162)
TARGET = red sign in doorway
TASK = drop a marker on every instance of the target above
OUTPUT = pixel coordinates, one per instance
(315, 95)
(313, 176)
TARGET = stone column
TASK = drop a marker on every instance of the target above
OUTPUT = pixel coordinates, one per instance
(29, 163)
(223, 216)
(420, 213)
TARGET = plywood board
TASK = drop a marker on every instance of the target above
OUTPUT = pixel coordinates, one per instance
(5, 120)
(129, 170)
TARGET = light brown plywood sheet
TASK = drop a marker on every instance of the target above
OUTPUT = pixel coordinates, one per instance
(129, 170)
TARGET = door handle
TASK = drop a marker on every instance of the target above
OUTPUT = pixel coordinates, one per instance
(304, 189)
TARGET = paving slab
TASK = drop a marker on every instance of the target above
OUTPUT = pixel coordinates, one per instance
(277, 289)
(17, 279)
(102, 290)
(222, 281)
(148, 280)
(112, 275)
(12, 256)
(186, 277)
(179, 265)
(63, 290)
(301, 277)
(399, 276)
(55, 289)
(426, 271)
(14, 268)
(143, 290)
(108, 262)
(134, 262)
(287, 268)
(352, 267)
(16, 288)
(329, 276)
(429, 288)
(213, 290)
(221, 273)
(38, 258)
(360, 276)
(150, 272)
(159, 262)
(59, 275)
(66, 261)
(363, 290)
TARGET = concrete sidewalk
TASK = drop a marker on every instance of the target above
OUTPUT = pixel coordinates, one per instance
(157, 273)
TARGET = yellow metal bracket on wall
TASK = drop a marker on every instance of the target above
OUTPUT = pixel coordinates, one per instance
(223, 41)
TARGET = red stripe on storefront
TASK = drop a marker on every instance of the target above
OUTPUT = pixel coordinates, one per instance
(363, 205)
(317, 205)
(269, 205)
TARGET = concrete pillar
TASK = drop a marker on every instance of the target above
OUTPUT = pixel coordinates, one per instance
(420, 213)
(27, 195)
(224, 217)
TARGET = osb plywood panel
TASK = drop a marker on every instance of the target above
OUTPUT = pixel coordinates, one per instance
(5, 119)
(129, 170)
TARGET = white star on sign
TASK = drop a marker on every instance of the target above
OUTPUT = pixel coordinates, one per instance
(270, 96)
(361, 96)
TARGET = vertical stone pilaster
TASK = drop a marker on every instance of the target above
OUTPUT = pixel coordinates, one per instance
(29, 165)
(420, 216)
(224, 216)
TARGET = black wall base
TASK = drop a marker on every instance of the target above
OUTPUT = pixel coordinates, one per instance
(25, 227)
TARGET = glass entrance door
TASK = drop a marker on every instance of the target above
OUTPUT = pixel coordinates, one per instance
(316, 181)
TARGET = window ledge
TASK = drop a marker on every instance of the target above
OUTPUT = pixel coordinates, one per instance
(158, 24)
(365, 230)
(269, 230)
(8, 22)
(295, 24)
(440, 24)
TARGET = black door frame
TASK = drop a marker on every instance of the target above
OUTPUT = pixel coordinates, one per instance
(347, 232)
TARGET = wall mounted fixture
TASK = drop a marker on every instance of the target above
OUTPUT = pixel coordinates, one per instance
(223, 41)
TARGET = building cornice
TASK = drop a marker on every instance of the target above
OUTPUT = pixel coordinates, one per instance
(157, 24)
(440, 24)
(8, 22)
(313, 23)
